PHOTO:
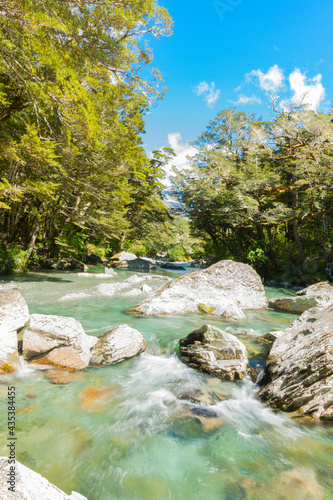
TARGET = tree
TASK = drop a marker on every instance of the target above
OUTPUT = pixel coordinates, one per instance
(72, 107)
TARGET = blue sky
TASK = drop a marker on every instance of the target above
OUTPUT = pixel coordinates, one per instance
(238, 51)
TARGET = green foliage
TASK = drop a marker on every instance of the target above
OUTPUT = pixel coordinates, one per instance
(176, 253)
(261, 192)
(13, 259)
(256, 257)
(137, 248)
(72, 103)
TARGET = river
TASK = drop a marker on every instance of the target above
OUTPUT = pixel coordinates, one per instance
(129, 431)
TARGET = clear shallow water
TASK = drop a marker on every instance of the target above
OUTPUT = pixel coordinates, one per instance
(129, 431)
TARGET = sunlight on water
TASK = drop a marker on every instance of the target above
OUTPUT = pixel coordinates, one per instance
(151, 427)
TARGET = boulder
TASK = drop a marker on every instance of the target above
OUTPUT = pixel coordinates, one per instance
(146, 288)
(14, 315)
(174, 267)
(317, 295)
(234, 313)
(216, 352)
(299, 367)
(123, 256)
(121, 259)
(141, 263)
(120, 343)
(323, 293)
(65, 264)
(57, 341)
(295, 305)
(108, 271)
(220, 286)
(270, 337)
(29, 485)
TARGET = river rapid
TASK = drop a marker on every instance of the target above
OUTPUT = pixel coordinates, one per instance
(131, 431)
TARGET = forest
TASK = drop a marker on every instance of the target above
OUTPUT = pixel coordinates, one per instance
(75, 179)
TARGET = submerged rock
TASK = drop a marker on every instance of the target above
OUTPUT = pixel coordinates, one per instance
(57, 341)
(61, 377)
(29, 485)
(93, 398)
(120, 343)
(296, 484)
(221, 286)
(14, 315)
(216, 352)
(299, 367)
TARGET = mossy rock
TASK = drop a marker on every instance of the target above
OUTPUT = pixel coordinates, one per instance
(205, 309)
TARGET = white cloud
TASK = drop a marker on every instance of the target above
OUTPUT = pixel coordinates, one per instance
(270, 81)
(211, 95)
(308, 92)
(243, 99)
(182, 150)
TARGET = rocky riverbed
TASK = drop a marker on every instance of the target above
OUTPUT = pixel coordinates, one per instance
(130, 408)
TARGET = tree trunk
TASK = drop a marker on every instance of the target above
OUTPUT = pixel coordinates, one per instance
(272, 249)
(296, 231)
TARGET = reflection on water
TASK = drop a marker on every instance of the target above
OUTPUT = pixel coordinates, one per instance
(151, 427)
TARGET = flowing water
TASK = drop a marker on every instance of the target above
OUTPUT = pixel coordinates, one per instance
(135, 431)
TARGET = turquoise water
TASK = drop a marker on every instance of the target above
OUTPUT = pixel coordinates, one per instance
(129, 431)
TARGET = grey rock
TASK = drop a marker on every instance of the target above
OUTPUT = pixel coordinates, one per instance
(123, 256)
(299, 367)
(120, 343)
(271, 337)
(175, 267)
(295, 305)
(14, 315)
(216, 352)
(220, 286)
(234, 313)
(65, 264)
(57, 341)
(249, 332)
(317, 295)
(141, 263)
(30, 485)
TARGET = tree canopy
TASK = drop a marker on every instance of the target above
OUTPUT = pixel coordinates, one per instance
(72, 106)
(262, 191)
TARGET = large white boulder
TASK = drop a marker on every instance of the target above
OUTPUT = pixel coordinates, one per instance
(299, 367)
(57, 341)
(28, 484)
(221, 287)
(120, 343)
(14, 315)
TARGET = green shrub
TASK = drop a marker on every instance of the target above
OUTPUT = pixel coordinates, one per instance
(176, 253)
(13, 259)
(138, 248)
(256, 257)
